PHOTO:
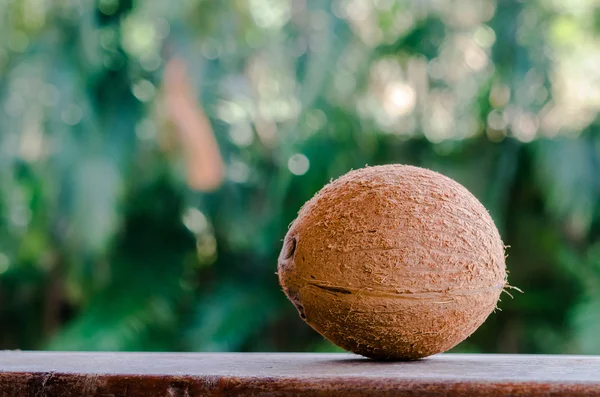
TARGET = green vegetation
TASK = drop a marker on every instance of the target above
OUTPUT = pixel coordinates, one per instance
(104, 247)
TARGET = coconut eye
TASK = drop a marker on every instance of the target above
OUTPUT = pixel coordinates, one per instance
(289, 247)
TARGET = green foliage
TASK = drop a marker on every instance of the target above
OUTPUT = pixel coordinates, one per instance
(102, 247)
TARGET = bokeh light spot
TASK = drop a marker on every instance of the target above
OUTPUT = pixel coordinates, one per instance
(144, 90)
(496, 120)
(298, 164)
(484, 36)
(146, 130)
(108, 7)
(195, 220)
(108, 39)
(241, 134)
(499, 95)
(525, 126)
(400, 99)
(271, 14)
(150, 61)
(138, 36)
(72, 114)
(238, 171)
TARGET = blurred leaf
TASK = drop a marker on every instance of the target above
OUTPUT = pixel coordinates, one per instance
(97, 183)
(567, 172)
(228, 317)
(587, 324)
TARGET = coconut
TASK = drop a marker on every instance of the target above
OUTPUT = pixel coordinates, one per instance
(393, 262)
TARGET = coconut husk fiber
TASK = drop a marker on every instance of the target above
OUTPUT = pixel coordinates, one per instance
(393, 262)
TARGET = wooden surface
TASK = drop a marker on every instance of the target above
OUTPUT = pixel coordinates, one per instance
(191, 374)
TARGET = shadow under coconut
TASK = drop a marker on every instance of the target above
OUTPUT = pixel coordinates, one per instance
(359, 360)
(356, 367)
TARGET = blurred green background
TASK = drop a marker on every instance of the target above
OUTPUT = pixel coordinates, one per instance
(104, 247)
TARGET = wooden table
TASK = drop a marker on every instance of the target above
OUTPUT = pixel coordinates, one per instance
(246, 374)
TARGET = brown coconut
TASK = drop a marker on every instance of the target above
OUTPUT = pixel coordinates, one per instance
(393, 262)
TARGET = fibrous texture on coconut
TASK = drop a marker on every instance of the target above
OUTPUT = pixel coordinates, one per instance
(393, 262)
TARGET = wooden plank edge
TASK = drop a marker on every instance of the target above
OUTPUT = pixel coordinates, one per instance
(51, 384)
